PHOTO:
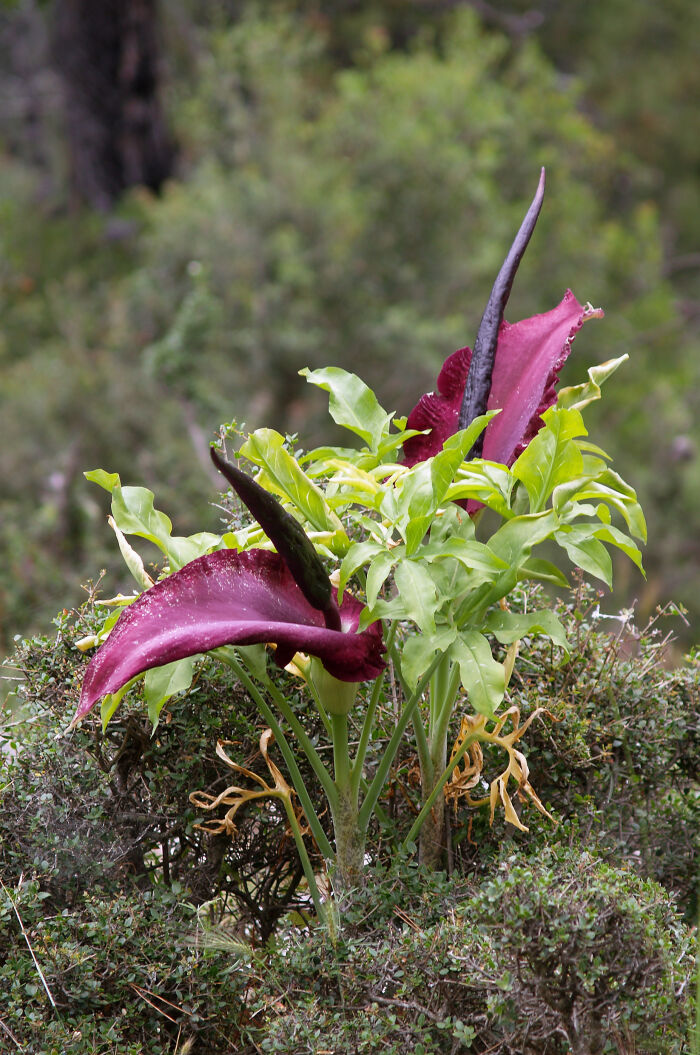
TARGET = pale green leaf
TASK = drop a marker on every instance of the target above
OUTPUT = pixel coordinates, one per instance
(378, 571)
(131, 558)
(608, 488)
(586, 551)
(482, 677)
(515, 539)
(417, 594)
(282, 475)
(134, 514)
(359, 554)
(254, 658)
(577, 397)
(507, 627)
(487, 482)
(182, 549)
(539, 570)
(614, 537)
(112, 700)
(551, 458)
(161, 683)
(474, 556)
(104, 479)
(419, 650)
(352, 404)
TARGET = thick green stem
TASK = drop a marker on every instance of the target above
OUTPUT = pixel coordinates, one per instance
(443, 712)
(304, 740)
(432, 844)
(304, 857)
(349, 845)
(425, 759)
(443, 692)
(437, 789)
(368, 723)
(349, 837)
(422, 746)
(375, 788)
(341, 751)
(297, 780)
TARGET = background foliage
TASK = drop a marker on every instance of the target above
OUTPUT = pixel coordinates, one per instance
(348, 179)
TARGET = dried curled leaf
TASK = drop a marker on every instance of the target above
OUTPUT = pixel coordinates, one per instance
(468, 776)
(234, 797)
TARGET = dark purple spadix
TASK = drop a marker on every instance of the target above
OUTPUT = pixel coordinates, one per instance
(288, 538)
(478, 385)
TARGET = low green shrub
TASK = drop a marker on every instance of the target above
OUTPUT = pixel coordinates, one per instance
(114, 809)
(615, 755)
(117, 972)
(527, 948)
(556, 956)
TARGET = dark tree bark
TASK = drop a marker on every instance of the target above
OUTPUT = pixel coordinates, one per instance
(107, 55)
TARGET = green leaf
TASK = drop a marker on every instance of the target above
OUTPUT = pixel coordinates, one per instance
(538, 570)
(394, 440)
(423, 489)
(282, 475)
(134, 514)
(577, 397)
(486, 482)
(416, 598)
(607, 488)
(586, 551)
(453, 522)
(131, 558)
(474, 556)
(482, 677)
(551, 458)
(378, 571)
(161, 683)
(112, 700)
(181, 550)
(359, 554)
(610, 488)
(614, 537)
(318, 460)
(417, 593)
(352, 404)
(104, 479)
(255, 659)
(419, 650)
(507, 627)
(514, 540)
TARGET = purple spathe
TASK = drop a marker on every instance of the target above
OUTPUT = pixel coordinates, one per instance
(229, 598)
(529, 356)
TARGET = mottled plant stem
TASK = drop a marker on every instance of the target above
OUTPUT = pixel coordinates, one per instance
(349, 836)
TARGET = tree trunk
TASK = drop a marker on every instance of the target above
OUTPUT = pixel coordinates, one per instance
(106, 53)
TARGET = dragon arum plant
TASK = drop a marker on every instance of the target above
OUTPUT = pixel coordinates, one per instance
(420, 575)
